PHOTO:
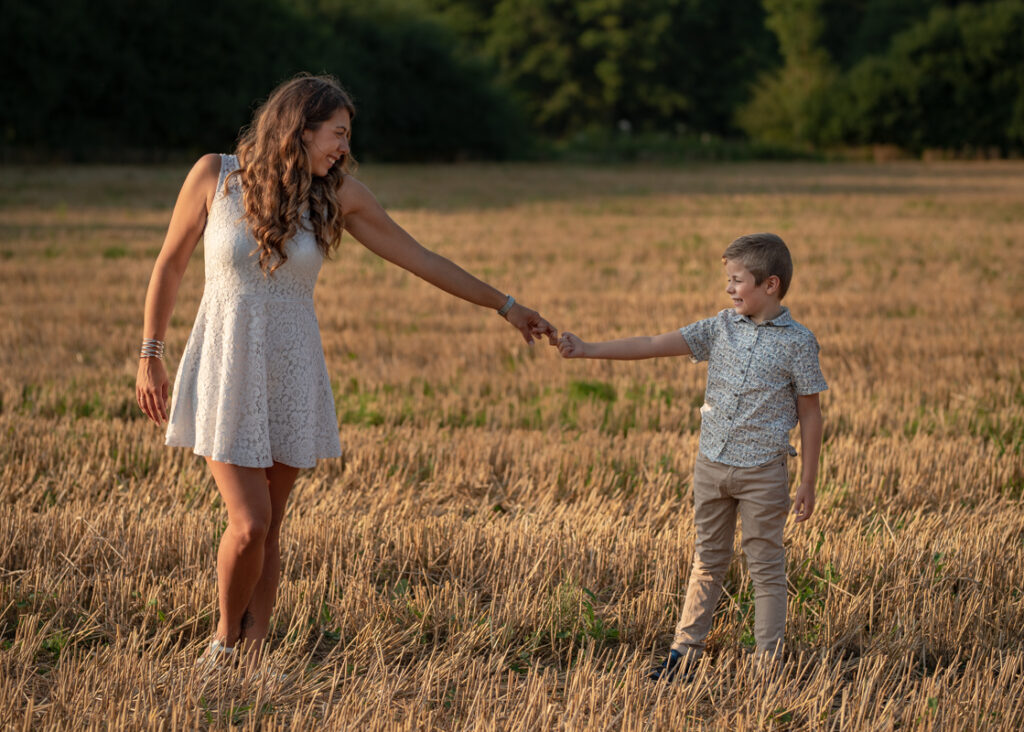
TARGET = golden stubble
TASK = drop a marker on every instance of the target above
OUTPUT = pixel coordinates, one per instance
(506, 543)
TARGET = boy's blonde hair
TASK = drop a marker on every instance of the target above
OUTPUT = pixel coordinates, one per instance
(763, 255)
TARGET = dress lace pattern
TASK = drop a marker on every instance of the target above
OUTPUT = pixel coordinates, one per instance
(252, 386)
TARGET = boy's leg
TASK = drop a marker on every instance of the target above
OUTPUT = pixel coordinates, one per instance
(763, 494)
(714, 513)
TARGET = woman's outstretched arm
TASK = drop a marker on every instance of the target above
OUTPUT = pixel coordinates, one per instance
(370, 224)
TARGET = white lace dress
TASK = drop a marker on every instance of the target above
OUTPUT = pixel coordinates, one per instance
(252, 386)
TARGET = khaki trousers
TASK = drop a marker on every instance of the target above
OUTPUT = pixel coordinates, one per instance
(761, 494)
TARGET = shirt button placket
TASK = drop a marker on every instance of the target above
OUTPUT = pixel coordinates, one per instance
(746, 370)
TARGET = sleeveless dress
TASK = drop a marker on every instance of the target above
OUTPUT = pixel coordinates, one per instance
(252, 386)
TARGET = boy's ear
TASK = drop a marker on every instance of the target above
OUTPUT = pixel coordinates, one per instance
(772, 283)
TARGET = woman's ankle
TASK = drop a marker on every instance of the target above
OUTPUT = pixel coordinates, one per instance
(227, 636)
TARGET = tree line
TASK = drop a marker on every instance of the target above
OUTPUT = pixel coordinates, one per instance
(447, 79)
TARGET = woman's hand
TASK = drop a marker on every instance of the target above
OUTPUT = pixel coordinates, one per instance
(151, 389)
(531, 324)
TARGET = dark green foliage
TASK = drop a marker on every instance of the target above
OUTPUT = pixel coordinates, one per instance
(469, 19)
(788, 104)
(854, 29)
(914, 73)
(955, 80)
(450, 79)
(656, 64)
(87, 77)
(109, 78)
(417, 97)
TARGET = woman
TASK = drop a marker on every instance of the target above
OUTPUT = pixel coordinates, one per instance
(252, 393)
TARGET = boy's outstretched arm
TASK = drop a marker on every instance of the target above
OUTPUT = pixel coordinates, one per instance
(666, 344)
(808, 409)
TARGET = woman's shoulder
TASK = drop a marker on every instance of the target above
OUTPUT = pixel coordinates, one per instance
(352, 186)
(206, 170)
(354, 195)
(202, 178)
(208, 165)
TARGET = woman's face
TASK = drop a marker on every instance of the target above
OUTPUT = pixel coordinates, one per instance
(328, 144)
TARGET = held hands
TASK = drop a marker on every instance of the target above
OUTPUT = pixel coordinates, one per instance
(151, 389)
(531, 324)
(803, 502)
(570, 346)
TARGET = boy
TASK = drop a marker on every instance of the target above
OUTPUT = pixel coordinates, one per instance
(763, 378)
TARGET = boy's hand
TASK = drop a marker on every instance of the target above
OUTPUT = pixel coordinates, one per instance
(570, 346)
(803, 502)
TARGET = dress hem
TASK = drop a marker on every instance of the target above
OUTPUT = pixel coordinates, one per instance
(232, 461)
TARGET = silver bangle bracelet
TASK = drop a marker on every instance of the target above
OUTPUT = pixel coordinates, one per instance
(503, 310)
(152, 348)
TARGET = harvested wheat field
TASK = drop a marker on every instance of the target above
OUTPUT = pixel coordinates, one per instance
(506, 543)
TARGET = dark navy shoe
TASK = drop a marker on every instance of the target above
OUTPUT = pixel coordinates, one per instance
(672, 666)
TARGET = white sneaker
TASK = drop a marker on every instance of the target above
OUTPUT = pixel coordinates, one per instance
(216, 654)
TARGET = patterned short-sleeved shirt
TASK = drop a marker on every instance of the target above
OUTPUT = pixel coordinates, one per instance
(755, 373)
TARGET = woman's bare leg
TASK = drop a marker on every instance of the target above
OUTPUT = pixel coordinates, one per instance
(240, 556)
(280, 479)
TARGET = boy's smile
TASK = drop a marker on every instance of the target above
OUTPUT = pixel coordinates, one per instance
(757, 302)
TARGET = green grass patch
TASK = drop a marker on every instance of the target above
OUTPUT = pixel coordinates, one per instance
(596, 390)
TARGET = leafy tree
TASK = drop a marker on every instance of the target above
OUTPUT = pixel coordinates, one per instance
(659, 64)
(470, 20)
(955, 80)
(445, 79)
(789, 103)
(106, 75)
(109, 78)
(417, 96)
(854, 29)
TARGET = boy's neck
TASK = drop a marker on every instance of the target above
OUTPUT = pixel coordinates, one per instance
(769, 313)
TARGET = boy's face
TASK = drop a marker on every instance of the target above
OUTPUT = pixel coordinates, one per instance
(757, 302)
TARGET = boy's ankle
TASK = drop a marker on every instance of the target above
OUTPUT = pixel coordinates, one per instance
(690, 654)
(679, 665)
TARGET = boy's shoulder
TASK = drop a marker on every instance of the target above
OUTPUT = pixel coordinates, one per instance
(708, 330)
(796, 337)
(731, 331)
(792, 333)
(728, 316)
(797, 327)
(721, 319)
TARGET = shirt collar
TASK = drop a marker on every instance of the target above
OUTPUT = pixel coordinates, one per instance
(780, 321)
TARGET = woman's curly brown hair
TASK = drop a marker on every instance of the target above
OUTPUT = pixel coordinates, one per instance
(278, 185)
